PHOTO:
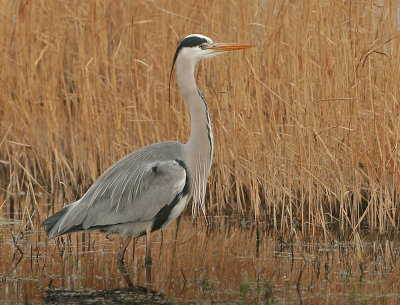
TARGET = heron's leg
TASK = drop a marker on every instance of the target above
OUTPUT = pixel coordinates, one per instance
(148, 261)
(121, 253)
(120, 261)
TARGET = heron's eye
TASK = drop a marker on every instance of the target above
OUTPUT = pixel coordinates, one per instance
(204, 46)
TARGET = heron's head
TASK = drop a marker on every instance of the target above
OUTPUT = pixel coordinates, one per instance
(195, 47)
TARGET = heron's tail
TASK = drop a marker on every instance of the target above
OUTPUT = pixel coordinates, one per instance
(55, 223)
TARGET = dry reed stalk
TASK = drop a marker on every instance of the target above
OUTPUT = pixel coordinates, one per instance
(306, 124)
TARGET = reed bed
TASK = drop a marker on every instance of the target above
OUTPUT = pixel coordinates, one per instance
(306, 124)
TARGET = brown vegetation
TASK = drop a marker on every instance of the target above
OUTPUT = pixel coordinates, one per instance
(306, 124)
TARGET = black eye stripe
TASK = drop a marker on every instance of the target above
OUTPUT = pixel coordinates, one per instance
(192, 41)
(189, 42)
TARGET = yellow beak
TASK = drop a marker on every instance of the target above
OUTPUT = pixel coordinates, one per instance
(223, 47)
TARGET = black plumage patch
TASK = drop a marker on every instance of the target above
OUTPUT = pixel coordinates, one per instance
(192, 41)
(163, 214)
(189, 42)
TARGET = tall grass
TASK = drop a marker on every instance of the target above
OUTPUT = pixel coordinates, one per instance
(306, 124)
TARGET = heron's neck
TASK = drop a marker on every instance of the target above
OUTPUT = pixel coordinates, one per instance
(199, 149)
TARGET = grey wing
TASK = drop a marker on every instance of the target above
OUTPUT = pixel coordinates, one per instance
(135, 188)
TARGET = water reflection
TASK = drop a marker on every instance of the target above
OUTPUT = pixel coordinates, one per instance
(223, 261)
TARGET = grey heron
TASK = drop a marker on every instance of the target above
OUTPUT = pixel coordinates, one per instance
(148, 189)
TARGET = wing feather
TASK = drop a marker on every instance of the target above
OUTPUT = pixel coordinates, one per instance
(130, 190)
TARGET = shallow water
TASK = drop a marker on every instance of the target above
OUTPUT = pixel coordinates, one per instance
(224, 261)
